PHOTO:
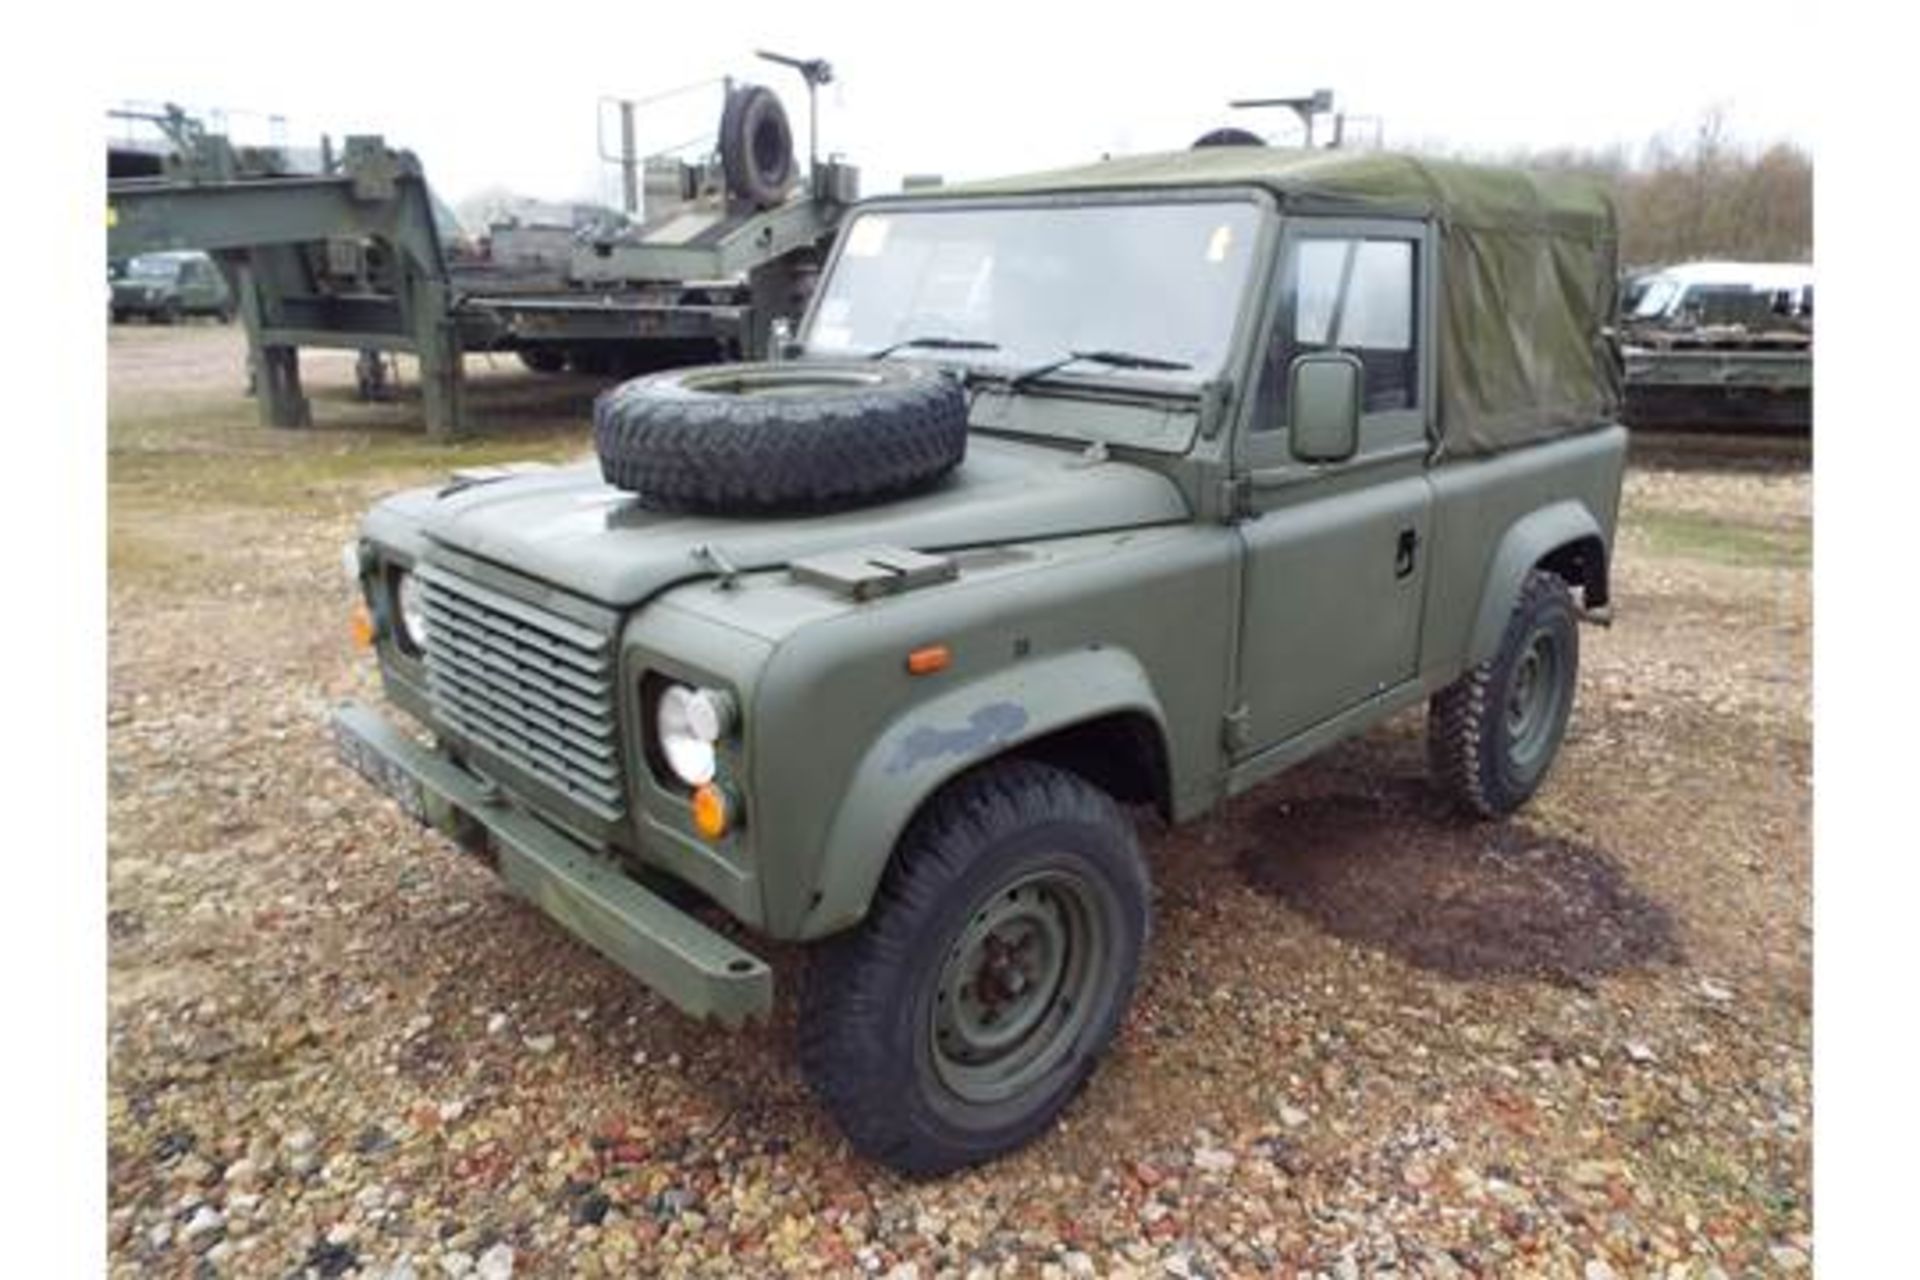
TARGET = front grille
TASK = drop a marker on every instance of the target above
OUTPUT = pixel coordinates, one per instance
(533, 688)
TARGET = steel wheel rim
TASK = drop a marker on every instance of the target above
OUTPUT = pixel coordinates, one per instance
(1017, 987)
(1533, 699)
(776, 381)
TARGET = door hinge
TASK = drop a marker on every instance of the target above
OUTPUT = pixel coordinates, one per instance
(1236, 729)
(1236, 499)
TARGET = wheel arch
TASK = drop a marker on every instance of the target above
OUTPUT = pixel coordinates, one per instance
(1090, 711)
(1564, 537)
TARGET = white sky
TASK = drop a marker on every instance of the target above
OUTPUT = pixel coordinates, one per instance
(502, 96)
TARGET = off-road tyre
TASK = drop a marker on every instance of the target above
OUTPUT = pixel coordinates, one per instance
(543, 359)
(756, 146)
(1228, 136)
(1475, 739)
(594, 362)
(875, 1004)
(770, 438)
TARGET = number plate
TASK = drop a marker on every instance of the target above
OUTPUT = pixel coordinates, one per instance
(383, 773)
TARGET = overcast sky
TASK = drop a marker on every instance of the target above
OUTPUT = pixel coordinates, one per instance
(509, 96)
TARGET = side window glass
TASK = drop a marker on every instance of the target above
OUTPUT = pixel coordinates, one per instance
(1379, 311)
(1319, 266)
(1347, 294)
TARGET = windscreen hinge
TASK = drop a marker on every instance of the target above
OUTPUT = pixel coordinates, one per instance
(1216, 401)
(870, 572)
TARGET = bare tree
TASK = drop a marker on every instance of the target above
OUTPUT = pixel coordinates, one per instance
(1709, 197)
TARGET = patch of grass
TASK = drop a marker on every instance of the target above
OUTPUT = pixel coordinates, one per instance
(199, 453)
(307, 477)
(130, 555)
(143, 554)
(1743, 544)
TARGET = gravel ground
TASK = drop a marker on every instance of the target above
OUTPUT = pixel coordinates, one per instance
(1371, 1038)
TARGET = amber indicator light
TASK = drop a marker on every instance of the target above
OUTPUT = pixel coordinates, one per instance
(925, 661)
(360, 627)
(712, 815)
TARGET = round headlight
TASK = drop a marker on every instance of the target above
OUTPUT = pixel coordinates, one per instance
(710, 714)
(411, 600)
(688, 722)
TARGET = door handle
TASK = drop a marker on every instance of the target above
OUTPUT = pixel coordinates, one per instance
(1403, 554)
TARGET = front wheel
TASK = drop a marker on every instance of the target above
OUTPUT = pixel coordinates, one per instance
(543, 359)
(992, 972)
(1493, 733)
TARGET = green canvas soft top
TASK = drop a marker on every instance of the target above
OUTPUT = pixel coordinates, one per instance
(1527, 266)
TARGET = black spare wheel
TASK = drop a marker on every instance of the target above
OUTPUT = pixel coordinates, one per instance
(804, 436)
(756, 146)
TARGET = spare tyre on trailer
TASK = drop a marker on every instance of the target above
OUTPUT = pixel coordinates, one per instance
(756, 146)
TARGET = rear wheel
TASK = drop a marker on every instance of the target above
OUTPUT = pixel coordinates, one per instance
(960, 1018)
(593, 361)
(1493, 734)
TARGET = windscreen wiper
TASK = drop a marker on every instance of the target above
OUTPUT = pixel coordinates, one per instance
(1112, 359)
(936, 343)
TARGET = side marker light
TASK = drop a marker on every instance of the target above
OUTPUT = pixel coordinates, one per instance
(360, 627)
(925, 661)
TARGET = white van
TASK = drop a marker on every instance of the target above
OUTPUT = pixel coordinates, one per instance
(1708, 293)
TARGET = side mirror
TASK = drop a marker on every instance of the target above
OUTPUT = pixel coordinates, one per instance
(1323, 406)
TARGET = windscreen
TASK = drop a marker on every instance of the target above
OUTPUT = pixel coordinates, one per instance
(154, 268)
(1156, 280)
(1655, 297)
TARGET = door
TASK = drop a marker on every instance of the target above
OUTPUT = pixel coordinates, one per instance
(196, 285)
(1336, 553)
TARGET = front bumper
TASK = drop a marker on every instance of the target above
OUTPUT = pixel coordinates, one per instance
(698, 970)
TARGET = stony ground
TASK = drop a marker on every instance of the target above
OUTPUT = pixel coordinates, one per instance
(1371, 1038)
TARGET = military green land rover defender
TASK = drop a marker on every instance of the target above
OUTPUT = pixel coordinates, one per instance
(1126, 485)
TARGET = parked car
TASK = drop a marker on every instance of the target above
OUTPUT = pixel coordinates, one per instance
(1758, 295)
(163, 287)
(1129, 485)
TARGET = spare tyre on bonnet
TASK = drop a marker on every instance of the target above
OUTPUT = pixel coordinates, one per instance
(761, 438)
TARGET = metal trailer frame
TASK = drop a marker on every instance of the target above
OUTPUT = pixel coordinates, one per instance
(266, 231)
(288, 241)
(1761, 382)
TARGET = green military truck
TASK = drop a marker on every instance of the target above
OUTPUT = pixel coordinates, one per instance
(1125, 485)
